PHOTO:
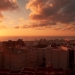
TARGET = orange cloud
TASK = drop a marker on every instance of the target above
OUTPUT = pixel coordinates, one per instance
(17, 27)
(11, 21)
(50, 12)
(1, 16)
(2, 27)
(8, 5)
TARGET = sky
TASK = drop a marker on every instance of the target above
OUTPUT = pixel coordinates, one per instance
(37, 17)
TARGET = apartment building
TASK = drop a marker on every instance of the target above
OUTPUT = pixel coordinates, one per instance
(37, 56)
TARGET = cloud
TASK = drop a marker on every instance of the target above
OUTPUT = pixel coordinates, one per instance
(50, 12)
(1, 16)
(17, 27)
(33, 26)
(11, 21)
(8, 5)
(21, 19)
(70, 27)
(2, 27)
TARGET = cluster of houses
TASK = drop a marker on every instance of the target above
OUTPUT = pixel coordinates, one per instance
(38, 53)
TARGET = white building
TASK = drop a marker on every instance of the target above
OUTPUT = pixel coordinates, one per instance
(33, 57)
(58, 57)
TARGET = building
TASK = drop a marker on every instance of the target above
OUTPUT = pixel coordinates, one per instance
(38, 55)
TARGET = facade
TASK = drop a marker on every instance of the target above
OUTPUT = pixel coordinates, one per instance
(57, 57)
(21, 56)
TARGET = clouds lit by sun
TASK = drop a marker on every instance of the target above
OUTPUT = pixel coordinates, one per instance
(57, 16)
(51, 5)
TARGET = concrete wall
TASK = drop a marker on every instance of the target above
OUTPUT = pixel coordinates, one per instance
(34, 58)
(63, 59)
(55, 58)
(59, 58)
(7, 61)
(48, 56)
(15, 61)
(74, 55)
(0, 59)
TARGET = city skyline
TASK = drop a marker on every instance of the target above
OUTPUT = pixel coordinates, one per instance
(37, 17)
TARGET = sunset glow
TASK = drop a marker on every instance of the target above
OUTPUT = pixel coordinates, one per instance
(51, 5)
(37, 18)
